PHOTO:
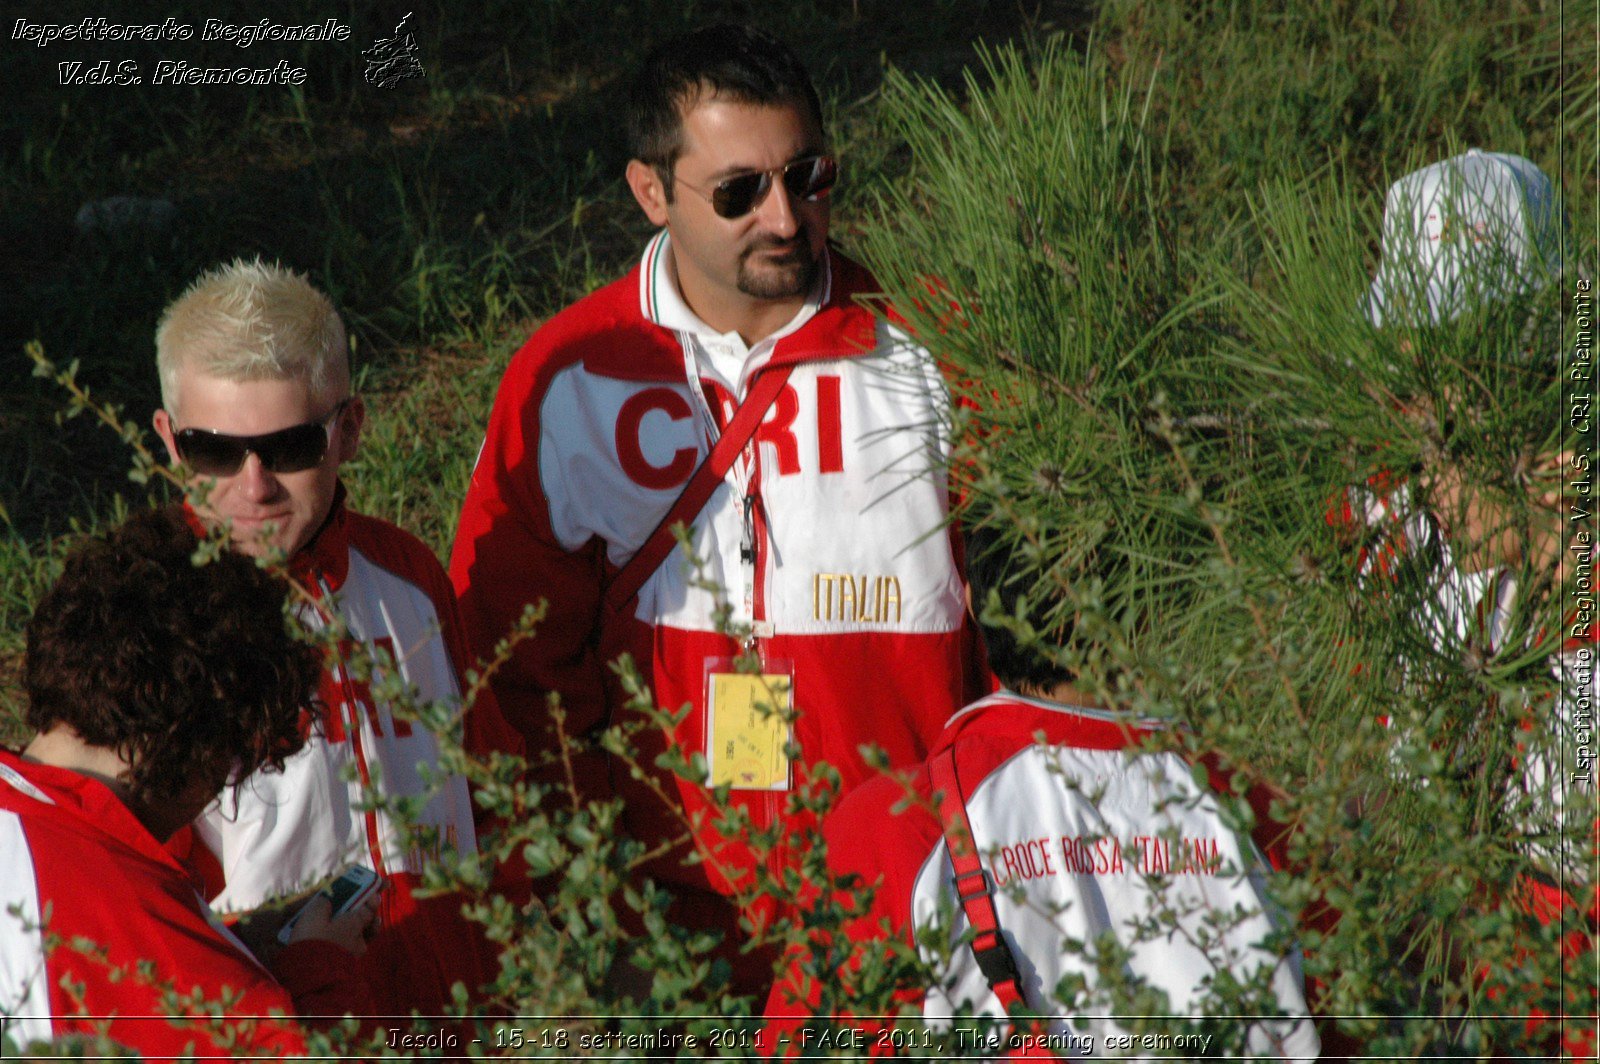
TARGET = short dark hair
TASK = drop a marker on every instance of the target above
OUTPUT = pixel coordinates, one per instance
(187, 670)
(734, 62)
(995, 565)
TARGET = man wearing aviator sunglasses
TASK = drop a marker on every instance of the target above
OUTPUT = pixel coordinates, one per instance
(737, 195)
(821, 512)
(256, 407)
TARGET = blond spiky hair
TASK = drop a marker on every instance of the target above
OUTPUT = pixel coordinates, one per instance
(251, 321)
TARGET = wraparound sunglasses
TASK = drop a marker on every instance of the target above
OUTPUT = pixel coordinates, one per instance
(290, 450)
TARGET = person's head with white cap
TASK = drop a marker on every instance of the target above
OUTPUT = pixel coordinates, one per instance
(1474, 231)
(1475, 227)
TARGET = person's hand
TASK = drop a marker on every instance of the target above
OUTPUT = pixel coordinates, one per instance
(258, 930)
(1486, 531)
(349, 931)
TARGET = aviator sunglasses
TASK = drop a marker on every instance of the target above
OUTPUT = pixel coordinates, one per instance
(290, 450)
(807, 179)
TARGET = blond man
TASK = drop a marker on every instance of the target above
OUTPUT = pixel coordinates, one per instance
(258, 413)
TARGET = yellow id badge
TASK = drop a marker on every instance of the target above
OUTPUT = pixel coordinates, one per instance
(747, 725)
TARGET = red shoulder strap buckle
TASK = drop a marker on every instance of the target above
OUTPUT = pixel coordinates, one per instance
(973, 885)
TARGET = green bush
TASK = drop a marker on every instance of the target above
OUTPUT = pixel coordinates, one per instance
(1166, 435)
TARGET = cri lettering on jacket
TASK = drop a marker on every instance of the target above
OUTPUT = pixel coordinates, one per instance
(432, 848)
(346, 698)
(777, 429)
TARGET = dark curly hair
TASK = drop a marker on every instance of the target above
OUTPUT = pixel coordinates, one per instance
(737, 63)
(187, 671)
(994, 564)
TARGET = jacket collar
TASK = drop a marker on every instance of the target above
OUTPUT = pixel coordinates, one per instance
(325, 561)
(1123, 726)
(81, 798)
(661, 302)
(830, 326)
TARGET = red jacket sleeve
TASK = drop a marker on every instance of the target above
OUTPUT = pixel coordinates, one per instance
(485, 728)
(506, 558)
(188, 959)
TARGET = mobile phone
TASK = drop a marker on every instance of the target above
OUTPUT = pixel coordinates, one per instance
(354, 884)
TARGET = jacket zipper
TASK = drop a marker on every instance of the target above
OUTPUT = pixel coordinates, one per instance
(753, 552)
(353, 722)
(757, 535)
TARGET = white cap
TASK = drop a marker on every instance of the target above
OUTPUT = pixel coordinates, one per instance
(1483, 225)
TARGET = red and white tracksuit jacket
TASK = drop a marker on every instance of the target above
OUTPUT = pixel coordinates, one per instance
(1083, 835)
(87, 893)
(280, 833)
(852, 575)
